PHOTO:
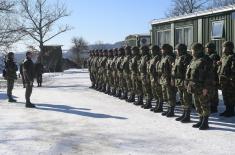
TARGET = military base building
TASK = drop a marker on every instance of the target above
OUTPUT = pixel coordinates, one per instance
(215, 25)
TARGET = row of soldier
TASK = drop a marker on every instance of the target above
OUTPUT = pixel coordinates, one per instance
(154, 73)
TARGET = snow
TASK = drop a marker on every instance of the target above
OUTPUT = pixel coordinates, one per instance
(72, 119)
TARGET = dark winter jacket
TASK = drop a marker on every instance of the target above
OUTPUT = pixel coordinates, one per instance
(28, 70)
(11, 69)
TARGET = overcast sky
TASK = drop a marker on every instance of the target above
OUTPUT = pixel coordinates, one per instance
(109, 21)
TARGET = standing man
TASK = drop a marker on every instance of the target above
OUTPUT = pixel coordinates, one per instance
(11, 76)
(226, 73)
(199, 76)
(39, 72)
(213, 57)
(28, 72)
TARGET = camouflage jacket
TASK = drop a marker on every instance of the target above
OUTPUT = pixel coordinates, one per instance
(164, 69)
(133, 64)
(125, 64)
(143, 64)
(11, 69)
(151, 68)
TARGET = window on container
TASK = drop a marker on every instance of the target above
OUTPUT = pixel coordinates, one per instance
(179, 36)
(160, 38)
(217, 30)
(188, 36)
(167, 37)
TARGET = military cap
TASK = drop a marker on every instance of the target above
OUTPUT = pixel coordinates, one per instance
(211, 46)
(198, 48)
(135, 48)
(121, 49)
(228, 44)
(10, 54)
(181, 47)
(167, 47)
(155, 48)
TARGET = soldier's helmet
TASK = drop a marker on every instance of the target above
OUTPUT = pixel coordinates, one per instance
(211, 46)
(229, 45)
(167, 47)
(155, 50)
(128, 50)
(144, 50)
(100, 52)
(135, 50)
(182, 48)
(10, 55)
(197, 50)
(105, 52)
(121, 51)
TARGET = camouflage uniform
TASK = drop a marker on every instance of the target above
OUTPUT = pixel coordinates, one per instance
(114, 72)
(109, 76)
(226, 73)
(126, 80)
(179, 68)
(90, 65)
(154, 78)
(120, 83)
(145, 79)
(169, 91)
(11, 76)
(213, 58)
(199, 76)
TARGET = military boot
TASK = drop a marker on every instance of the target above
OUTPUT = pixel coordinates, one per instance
(181, 117)
(139, 101)
(204, 125)
(11, 100)
(158, 108)
(29, 105)
(107, 90)
(113, 92)
(197, 125)
(131, 98)
(186, 118)
(148, 104)
(124, 96)
(164, 113)
(171, 113)
(118, 93)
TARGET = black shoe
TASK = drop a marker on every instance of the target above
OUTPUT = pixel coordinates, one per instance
(178, 103)
(181, 117)
(131, 98)
(204, 125)
(214, 109)
(139, 101)
(171, 113)
(158, 108)
(29, 105)
(186, 118)
(164, 113)
(197, 125)
(11, 100)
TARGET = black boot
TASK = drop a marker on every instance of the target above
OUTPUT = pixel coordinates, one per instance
(148, 104)
(186, 118)
(124, 96)
(139, 101)
(113, 92)
(158, 108)
(171, 113)
(181, 117)
(29, 105)
(118, 94)
(131, 98)
(214, 109)
(164, 113)
(11, 100)
(197, 125)
(204, 124)
(107, 90)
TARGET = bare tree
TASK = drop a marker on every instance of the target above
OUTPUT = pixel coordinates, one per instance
(79, 46)
(219, 3)
(181, 7)
(10, 30)
(39, 17)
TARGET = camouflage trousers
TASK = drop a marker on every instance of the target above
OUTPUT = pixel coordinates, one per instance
(138, 85)
(115, 80)
(214, 97)
(109, 79)
(127, 79)
(10, 86)
(185, 97)
(156, 90)
(228, 90)
(121, 81)
(169, 94)
(146, 86)
(201, 103)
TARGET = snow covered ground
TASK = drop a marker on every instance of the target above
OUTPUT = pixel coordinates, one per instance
(72, 119)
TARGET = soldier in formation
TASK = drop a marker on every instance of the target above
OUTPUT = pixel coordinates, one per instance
(152, 76)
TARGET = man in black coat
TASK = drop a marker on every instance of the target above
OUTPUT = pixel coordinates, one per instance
(28, 72)
(39, 72)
